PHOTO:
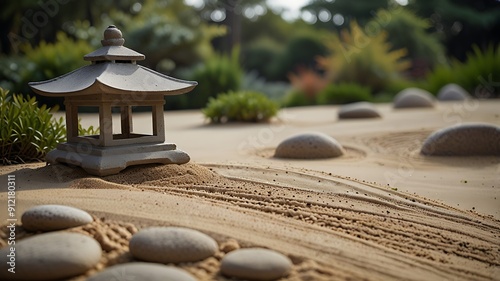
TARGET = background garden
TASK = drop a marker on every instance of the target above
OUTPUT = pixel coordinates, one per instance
(253, 56)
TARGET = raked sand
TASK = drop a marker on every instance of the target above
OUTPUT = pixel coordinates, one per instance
(381, 211)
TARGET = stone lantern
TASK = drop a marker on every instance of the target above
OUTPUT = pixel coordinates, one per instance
(113, 82)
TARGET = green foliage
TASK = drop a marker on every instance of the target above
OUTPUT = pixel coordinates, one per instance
(343, 93)
(28, 132)
(240, 107)
(479, 74)
(258, 56)
(90, 131)
(407, 30)
(362, 59)
(169, 33)
(297, 98)
(46, 61)
(300, 52)
(219, 74)
(55, 59)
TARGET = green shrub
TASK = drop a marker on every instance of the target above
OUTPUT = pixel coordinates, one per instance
(297, 98)
(406, 30)
(219, 74)
(240, 106)
(479, 74)
(362, 59)
(43, 62)
(343, 93)
(300, 52)
(28, 132)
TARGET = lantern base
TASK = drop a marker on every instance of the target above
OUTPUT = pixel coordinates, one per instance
(104, 161)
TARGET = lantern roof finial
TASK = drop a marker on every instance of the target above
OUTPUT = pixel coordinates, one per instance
(112, 48)
(112, 37)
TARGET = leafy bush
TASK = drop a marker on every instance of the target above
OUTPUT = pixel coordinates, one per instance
(407, 30)
(43, 62)
(343, 93)
(297, 98)
(479, 74)
(258, 56)
(27, 132)
(300, 52)
(240, 106)
(362, 59)
(219, 74)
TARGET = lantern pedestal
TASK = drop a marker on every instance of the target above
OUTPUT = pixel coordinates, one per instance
(104, 161)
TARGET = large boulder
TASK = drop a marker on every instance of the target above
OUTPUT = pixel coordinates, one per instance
(50, 256)
(309, 146)
(413, 98)
(172, 245)
(463, 140)
(452, 92)
(361, 109)
(256, 264)
(54, 217)
(142, 271)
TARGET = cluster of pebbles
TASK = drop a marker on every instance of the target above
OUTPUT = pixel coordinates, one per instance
(59, 254)
(415, 97)
(461, 140)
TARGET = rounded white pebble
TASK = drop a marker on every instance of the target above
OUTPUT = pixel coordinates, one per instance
(256, 264)
(464, 140)
(172, 245)
(413, 97)
(309, 146)
(54, 217)
(51, 256)
(142, 271)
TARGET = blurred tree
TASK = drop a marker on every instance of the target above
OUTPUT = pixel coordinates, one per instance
(228, 13)
(301, 52)
(33, 21)
(462, 23)
(169, 33)
(346, 10)
(366, 60)
(408, 31)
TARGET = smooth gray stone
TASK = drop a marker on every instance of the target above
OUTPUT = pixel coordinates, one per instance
(255, 264)
(309, 146)
(358, 110)
(452, 92)
(54, 217)
(463, 140)
(142, 271)
(172, 245)
(51, 256)
(412, 98)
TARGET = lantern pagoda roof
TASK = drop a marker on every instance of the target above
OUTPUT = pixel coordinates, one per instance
(113, 71)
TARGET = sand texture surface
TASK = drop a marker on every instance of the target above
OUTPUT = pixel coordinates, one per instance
(381, 211)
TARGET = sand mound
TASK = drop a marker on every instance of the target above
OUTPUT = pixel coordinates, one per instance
(165, 175)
